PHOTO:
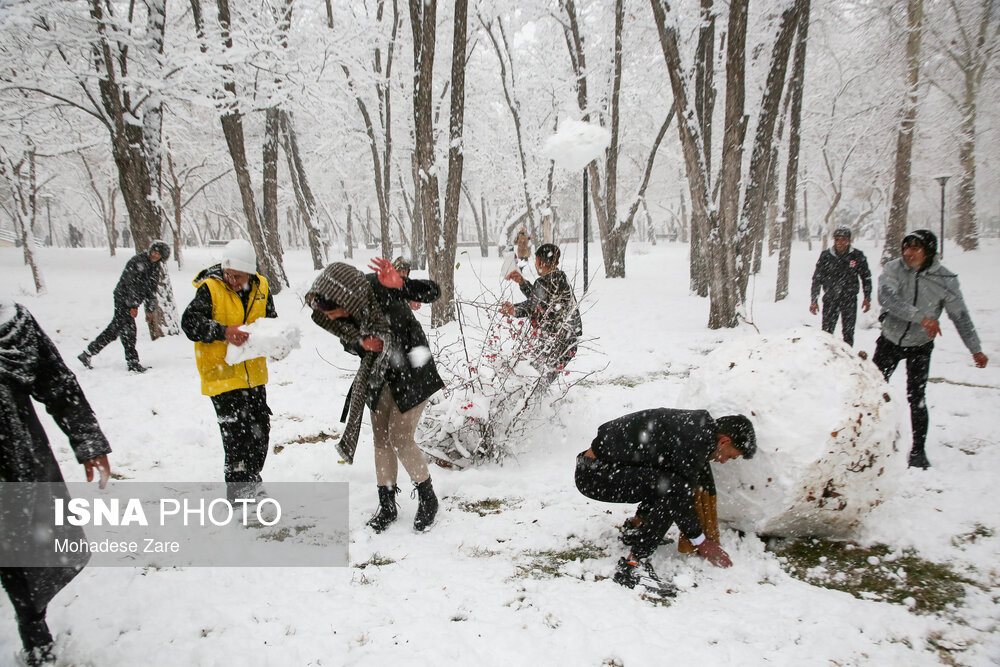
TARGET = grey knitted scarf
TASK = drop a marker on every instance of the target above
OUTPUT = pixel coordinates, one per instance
(348, 288)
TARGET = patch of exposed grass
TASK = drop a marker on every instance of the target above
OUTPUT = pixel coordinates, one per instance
(307, 439)
(633, 381)
(376, 560)
(487, 505)
(548, 564)
(972, 536)
(283, 533)
(873, 573)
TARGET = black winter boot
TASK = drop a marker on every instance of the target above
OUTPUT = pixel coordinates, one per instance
(136, 367)
(386, 513)
(918, 459)
(427, 507)
(84, 358)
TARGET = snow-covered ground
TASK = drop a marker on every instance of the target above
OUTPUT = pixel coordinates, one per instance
(473, 590)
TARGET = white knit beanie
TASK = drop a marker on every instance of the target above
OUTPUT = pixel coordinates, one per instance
(239, 255)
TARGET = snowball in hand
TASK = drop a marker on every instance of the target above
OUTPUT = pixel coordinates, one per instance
(576, 144)
(269, 337)
(826, 433)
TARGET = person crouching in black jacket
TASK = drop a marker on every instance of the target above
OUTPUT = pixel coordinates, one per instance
(657, 458)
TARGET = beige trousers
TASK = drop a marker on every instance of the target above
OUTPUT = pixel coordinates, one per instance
(393, 434)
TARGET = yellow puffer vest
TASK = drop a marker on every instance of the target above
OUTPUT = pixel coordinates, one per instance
(227, 309)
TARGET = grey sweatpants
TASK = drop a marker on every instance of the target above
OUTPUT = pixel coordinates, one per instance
(393, 434)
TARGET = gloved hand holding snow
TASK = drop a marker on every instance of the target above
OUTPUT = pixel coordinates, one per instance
(269, 337)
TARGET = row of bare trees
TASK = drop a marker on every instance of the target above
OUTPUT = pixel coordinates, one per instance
(127, 79)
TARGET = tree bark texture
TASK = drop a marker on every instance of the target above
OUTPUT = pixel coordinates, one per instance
(760, 175)
(899, 208)
(794, 139)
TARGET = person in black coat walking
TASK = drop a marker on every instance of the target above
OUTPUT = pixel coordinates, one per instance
(136, 286)
(838, 271)
(31, 368)
(657, 458)
(401, 382)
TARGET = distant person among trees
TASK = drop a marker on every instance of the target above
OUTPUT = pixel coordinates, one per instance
(913, 290)
(31, 368)
(230, 294)
(137, 285)
(659, 458)
(838, 271)
(552, 308)
(522, 248)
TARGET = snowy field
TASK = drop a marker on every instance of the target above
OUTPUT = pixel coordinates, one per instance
(478, 588)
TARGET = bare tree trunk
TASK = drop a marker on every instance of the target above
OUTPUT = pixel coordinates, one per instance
(349, 249)
(720, 292)
(966, 229)
(303, 193)
(268, 258)
(24, 191)
(727, 241)
(484, 244)
(794, 138)
(752, 221)
(418, 249)
(269, 189)
(444, 307)
(898, 210)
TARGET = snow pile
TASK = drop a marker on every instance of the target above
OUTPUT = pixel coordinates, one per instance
(269, 337)
(576, 144)
(826, 433)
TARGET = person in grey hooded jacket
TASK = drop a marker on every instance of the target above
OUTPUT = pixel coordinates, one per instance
(913, 290)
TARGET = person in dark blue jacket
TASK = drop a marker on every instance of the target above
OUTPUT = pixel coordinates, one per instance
(838, 271)
(136, 286)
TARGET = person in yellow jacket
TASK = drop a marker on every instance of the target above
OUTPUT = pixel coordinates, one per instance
(231, 294)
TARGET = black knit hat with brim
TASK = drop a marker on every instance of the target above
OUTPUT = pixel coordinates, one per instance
(161, 247)
(925, 238)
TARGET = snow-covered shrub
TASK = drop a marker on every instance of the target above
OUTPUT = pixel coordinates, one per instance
(494, 395)
(826, 433)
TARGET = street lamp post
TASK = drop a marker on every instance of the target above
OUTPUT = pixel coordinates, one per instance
(942, 179)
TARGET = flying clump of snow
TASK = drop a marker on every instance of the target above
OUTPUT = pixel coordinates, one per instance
(419, 356)
(826, 431)
(576, 144)
(269, 337)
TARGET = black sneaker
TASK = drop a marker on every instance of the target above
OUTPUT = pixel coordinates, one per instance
(85, 360)
(627, 574)
(137, 368)
(641, 573)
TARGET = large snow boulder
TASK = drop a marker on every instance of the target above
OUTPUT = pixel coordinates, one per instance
(826, 429)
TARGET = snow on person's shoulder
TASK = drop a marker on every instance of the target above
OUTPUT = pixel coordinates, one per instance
(269, 337)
